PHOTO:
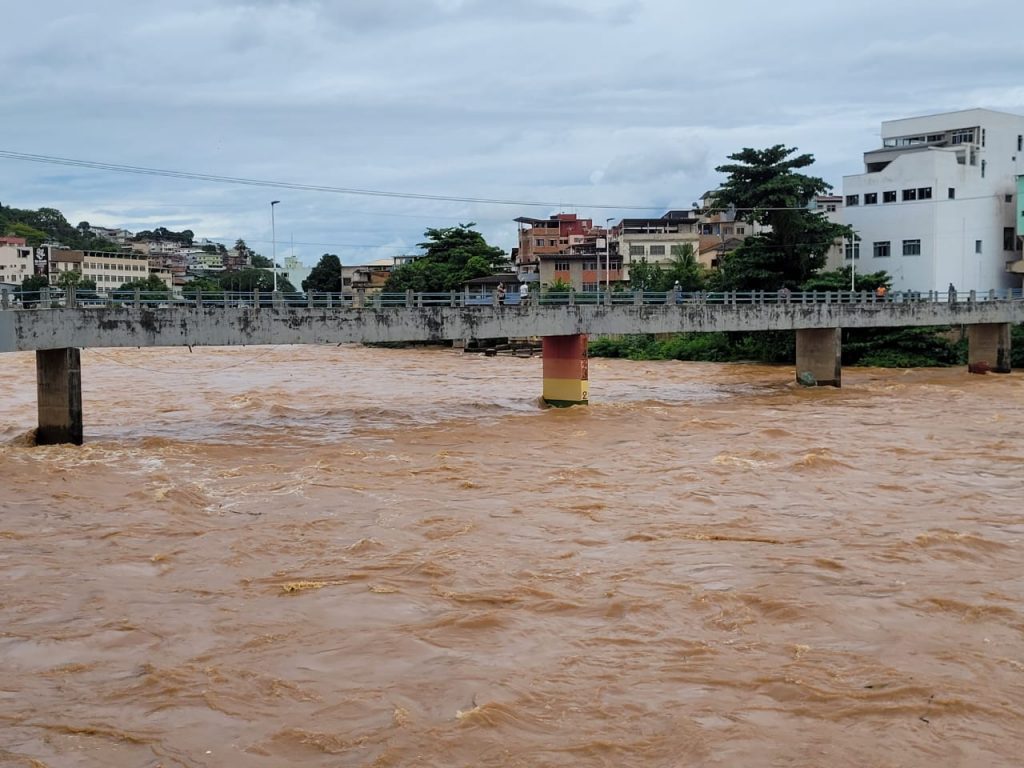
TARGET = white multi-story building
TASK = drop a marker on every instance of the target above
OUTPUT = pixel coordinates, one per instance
(936, 204)
(16, 263)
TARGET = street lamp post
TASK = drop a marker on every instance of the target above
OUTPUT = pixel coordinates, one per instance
(608, 254)
(273, 240)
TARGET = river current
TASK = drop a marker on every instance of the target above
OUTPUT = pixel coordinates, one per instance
(341, 556)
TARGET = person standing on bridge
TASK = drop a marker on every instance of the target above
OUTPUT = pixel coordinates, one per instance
(524, 293)
(500, 293)
(952, 294)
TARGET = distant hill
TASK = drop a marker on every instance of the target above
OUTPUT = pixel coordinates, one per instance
(49, 224)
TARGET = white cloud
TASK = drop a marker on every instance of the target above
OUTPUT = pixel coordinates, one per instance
(572, 101)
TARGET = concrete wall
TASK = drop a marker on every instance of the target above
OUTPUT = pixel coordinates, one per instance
(215, 326)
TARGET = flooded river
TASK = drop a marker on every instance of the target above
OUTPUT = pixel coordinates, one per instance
(337, 556)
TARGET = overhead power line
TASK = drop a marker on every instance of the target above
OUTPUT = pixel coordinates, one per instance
(143, 171)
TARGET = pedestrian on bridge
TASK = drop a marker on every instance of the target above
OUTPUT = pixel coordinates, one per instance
(500, 292)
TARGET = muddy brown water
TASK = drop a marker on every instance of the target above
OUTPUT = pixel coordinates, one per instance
(325, 556)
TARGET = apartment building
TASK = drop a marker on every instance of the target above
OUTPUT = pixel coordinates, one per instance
(938, 202)
(569, 249)
(16, 262)
(656, 240)
(108, 270)
(1017, 265)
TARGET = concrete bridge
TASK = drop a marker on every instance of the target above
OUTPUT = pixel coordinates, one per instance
(57, 333)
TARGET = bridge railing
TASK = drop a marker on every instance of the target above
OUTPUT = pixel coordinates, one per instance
(56, 297)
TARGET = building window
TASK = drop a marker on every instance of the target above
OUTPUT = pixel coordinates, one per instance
(977, 246)
(983, 164)
(911, 247)
(561, 266)
(952, 193)
(740, 230)
(924, 193)
(853, 248)
(1007, 198)
(830, 207)
(589, 265)
(539, 242)
(590, 287)
(615, 264)
(637, 250)
(852, 200)
(963, 136)
(889, 197)
(983, 137)
(870, 198)
(909, 194)
(1008, 244)
(881, 249)
(657, 250)
(553, 243)
(1020, 142)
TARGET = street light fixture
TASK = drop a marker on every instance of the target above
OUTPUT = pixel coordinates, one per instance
(273, 240)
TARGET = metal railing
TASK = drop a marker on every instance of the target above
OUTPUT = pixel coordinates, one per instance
(56, 298)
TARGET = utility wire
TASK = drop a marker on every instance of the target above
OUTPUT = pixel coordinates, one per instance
(143, 171)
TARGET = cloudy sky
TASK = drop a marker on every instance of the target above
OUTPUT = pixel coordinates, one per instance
(570, 103)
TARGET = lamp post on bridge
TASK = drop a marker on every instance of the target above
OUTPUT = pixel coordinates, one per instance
(273, 240)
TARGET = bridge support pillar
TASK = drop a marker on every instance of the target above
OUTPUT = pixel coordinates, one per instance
(565, 370)
(59, 396)
(819, 356)
(988, 347)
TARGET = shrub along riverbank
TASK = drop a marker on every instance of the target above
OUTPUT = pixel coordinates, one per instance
(896, 348)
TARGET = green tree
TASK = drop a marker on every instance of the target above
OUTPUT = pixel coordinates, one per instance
(35, 283)
(251, 278)
(644, 276)
(152, 288)
(325, 277)
(839, 280)
(452, 256)
(685, 270)
(33, 236)
(205, 285)
(764, 187)
(261, 262)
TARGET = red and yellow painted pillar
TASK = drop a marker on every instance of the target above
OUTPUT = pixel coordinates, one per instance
(565, 370)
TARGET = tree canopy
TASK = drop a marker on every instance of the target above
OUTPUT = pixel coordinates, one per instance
(46, 224)
(765, 187)
(251, 278)
(325, 277)
(452, 256)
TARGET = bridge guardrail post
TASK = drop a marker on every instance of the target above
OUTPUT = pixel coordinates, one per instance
(991, 294)
(408, 297)
(330, 300)
(451, 298)
(311, 299)
(70, 302)
(137, 299)
(44, 298)
(277, 299)
(360, 298)
(256, 298)
(5, 299)
(572, 297)
(419, 299)
(607, 298)
(638, 297)
(972, 297)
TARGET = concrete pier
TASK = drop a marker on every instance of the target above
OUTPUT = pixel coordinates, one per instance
(988, 347)
(819, 353)
(566, 370)
(59, 395)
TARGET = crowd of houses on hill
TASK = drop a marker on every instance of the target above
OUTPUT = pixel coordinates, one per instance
(940, 202)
